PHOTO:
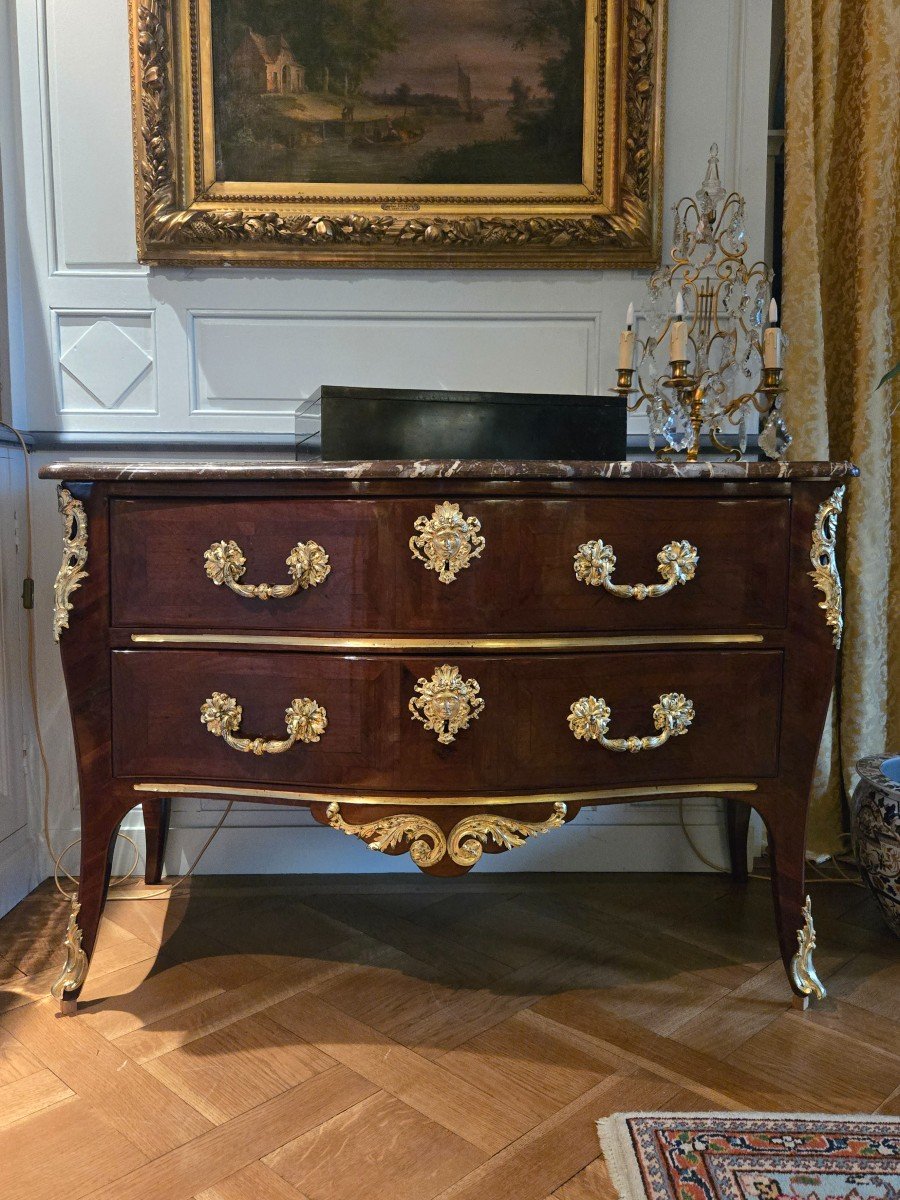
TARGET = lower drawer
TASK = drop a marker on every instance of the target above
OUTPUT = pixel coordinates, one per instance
(519, 734)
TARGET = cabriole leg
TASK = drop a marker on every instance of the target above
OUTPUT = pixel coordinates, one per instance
(156, 828)
(98, 839)
(793, 909)
(737, 816)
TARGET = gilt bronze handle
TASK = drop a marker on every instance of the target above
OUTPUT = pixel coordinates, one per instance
(307, 565)
(595, 563)
(305, 719)
(589, 719)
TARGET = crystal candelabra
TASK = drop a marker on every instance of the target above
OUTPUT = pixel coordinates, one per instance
(723, 362)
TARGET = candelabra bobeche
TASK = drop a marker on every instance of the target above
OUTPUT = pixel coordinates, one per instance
(724, 361)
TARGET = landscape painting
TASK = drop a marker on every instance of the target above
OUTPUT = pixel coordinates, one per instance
(472, 134)
(417, 92)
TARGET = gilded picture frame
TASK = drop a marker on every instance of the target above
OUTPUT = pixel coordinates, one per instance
(187, 214)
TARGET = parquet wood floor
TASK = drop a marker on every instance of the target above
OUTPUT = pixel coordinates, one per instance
(325, 1038)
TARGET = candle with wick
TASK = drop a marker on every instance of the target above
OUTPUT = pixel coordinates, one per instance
(626, 342)
(772, 343)
(679, 335)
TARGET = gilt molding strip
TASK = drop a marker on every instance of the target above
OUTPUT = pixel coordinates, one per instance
(163, 787)
(426, 644)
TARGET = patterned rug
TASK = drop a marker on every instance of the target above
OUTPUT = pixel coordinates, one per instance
(752, 1156)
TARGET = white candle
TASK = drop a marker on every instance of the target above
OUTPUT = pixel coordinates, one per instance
(626, 342)
(678, 337)
(772, 345)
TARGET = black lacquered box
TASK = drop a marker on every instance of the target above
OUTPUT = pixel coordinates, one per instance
(385, 423)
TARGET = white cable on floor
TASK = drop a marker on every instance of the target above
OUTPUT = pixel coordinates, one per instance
(844, 877)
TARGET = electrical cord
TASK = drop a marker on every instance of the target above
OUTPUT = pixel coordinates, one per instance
(822, 877)
(31, 677)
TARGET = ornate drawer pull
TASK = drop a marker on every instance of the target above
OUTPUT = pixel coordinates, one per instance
(446, 703)
(305, 719)
(589, 719)
(595, 563)
(307, 565)
(446, 541)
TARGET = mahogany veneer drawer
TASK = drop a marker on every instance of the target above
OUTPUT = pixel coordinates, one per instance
(519, 741)
(522, 580)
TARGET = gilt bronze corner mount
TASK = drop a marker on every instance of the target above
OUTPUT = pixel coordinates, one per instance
(75, 551)
(823, 557)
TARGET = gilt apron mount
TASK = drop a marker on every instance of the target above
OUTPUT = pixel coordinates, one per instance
(391, 133)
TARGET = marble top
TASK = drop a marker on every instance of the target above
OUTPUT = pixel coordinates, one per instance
(88, 470)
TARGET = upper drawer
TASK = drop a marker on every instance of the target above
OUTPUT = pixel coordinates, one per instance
(520, 579)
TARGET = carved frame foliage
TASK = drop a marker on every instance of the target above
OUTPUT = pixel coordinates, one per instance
(186, 217)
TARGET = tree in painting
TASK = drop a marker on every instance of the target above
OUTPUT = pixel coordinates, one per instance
(558, 27)
(399, 91)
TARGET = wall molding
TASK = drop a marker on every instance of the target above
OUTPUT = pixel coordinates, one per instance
(119, 319)
(203, 407)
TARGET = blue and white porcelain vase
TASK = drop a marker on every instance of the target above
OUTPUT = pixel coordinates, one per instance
(876, 831)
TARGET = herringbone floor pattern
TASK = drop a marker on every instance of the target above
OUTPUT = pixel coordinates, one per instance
(330, 1038)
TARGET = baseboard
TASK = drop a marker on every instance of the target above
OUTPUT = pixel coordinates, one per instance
(290, 850)
(264, 840)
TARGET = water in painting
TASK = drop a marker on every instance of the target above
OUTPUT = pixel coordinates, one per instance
(399, 91)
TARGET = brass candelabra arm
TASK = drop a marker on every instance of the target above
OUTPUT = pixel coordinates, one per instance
(764, 397)
(628, 384)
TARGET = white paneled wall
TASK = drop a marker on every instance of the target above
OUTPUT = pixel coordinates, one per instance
(273, 336)
(101, 346)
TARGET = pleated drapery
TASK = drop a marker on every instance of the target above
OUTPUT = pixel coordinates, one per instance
(842, 320)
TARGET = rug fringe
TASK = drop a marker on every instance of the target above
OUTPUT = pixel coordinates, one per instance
(615, 1142)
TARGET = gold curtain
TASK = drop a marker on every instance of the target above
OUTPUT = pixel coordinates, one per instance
(842, 320)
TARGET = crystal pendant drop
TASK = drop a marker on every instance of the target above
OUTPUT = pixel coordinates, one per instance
(656, 421)
(742, 433)
(711, 193)
(767, 438)
(677, 430)
(678, 231)
(782, 438)
(737, 232)
(774, 438)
